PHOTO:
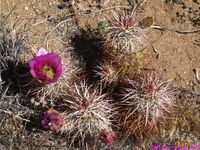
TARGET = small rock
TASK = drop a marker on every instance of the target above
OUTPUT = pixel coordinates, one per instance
(88, 11)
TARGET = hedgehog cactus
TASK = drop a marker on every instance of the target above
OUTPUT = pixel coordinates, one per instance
(11, 46)
(117, 67)
(107, 74)
(125, 41)
(145, 103)
(51, 74)
(125, 33)
(86, 111)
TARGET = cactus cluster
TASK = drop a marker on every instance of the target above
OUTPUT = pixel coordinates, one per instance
(73, 106)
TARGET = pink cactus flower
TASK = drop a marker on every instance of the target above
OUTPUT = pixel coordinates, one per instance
(46, 67)
(108, 137)
(53, 120)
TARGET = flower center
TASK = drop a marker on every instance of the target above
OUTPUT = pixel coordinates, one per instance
(49, 71)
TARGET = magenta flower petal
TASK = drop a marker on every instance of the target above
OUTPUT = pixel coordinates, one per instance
(46, 67)
(41, 51)
(32, 64)
(54, 58)
(108, 137)
(34, 74)
(52, 120)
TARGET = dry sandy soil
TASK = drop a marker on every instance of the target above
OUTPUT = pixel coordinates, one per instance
(176, 48)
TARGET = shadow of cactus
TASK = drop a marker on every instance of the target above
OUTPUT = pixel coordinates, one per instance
(88, 49)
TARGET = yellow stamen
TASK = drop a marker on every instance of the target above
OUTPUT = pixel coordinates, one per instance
(49, 71)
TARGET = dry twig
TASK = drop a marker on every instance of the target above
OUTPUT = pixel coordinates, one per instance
(174, 30)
